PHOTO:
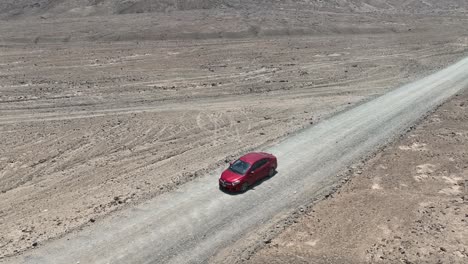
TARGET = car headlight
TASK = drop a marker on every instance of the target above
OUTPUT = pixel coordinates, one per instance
(234, 183)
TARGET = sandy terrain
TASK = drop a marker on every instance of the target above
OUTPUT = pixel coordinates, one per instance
(89, 124)
(408, 204)
(194, 223)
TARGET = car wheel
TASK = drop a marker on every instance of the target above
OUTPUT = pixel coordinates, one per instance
(244, 187)
(271, 172)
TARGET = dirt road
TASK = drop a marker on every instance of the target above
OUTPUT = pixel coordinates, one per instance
(406, 204)
(192, 223)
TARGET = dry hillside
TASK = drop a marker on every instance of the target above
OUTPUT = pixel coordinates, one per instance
(66, 8)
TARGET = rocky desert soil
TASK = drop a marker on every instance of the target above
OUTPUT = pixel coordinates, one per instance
(408, 204)
(104, 104)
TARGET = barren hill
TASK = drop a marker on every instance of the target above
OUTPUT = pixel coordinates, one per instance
(70, 8)
(52, 21)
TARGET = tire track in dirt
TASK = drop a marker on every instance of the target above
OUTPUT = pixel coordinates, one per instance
(83, 137)
(332, 145)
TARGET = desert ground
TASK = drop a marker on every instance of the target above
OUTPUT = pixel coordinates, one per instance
(105, 106)
(408, 204)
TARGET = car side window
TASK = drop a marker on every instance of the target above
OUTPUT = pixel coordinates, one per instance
(256, 165)
(259, 164)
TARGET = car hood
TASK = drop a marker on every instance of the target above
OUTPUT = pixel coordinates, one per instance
(230, 176)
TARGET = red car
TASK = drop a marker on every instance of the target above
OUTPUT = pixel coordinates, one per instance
(247, 170)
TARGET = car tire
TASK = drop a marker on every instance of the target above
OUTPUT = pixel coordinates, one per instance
(271, 172)
(244, 187)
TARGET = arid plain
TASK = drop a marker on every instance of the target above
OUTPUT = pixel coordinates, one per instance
(103, 107)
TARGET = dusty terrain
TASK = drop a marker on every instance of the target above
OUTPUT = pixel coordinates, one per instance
(408, 204)
(99, 111)
(194, 223)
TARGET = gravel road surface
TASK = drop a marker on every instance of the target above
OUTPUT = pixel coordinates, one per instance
(192, 223)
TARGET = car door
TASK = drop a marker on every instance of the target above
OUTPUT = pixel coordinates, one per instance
(255, 172)
(263, 169)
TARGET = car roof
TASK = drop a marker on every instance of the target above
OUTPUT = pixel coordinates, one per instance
(252, 157)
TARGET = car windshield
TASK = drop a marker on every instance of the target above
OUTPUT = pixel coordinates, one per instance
(239, 167)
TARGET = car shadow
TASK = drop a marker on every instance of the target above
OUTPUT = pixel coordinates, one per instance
(252, 187)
